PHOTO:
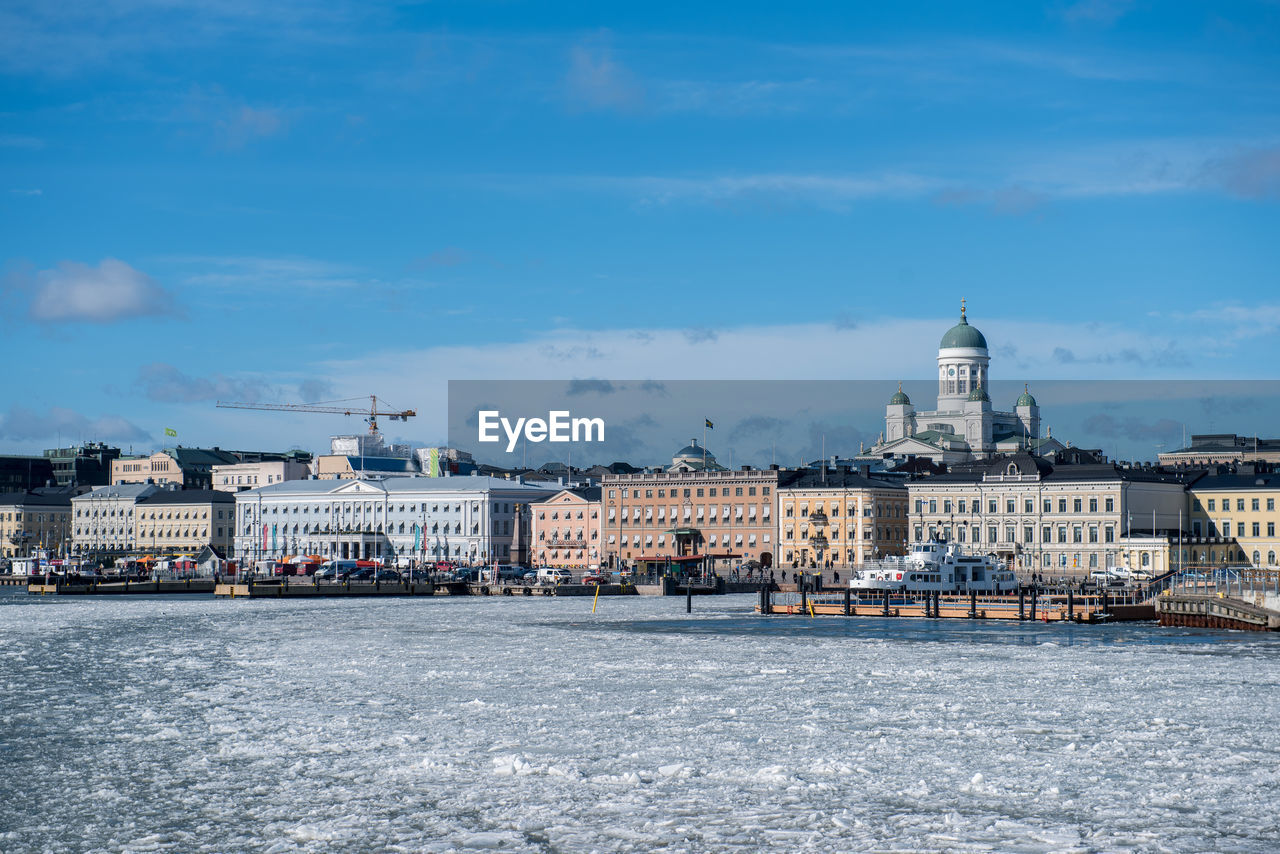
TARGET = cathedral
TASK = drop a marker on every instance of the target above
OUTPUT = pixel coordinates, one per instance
(964, 426)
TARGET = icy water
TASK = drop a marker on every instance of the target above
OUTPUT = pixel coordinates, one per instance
(188, 724)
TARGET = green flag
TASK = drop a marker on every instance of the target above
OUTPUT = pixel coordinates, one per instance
(169, 431)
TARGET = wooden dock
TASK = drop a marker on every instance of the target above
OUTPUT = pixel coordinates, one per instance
(1026, 606)
(117, 588)
(1215, 611)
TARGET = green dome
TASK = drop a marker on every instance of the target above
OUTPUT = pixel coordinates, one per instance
(1025, 399)
(963, 335)
(978, 393)
(900, 398)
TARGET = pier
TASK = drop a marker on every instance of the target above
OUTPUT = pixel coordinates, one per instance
(1028, 605)
(1244, 599)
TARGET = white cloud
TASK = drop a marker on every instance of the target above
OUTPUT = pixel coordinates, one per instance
(111, 291)
(22, 424)
(598, 81)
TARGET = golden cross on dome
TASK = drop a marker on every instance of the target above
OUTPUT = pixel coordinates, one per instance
(961, 308)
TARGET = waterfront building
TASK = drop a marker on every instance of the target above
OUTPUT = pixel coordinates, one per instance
(103, 521)
(34, 521)
(727, 516)
(839, 517)
(23, 473)
(964, 426)
(1234, 516)
(1041, 517)
(1211, 449)
(85, 465)
(187, 468)
(566, 529)
(467, 519)
(183, 521)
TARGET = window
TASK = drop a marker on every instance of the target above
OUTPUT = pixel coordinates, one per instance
(1109, 534)
(1110, 505)
(1255, 507)
(1009, 534)
(991, 506)
(1077, 534)
(919, 506)
(1077, 505)
(1028, 534)
(1008, 505)
(962, 510)
(1062, 505)
(1271, 504)
(993, 534)
(1257, 531)
(933, 506)
(1093, 505)
(1239, 503)
(1211, 504)
(1028, 506)
(1047, 505)
(737, 491)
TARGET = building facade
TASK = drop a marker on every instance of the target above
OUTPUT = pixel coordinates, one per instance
(187, 468)
(727, 516)
(566, 529)
(31, 522)
(1211, 449)
(469, 519)
(237, 477)
(86, 465)
(21, 473)
(1234, 517)
(839, 518)
(103, 520)
(1060, 520)
(184, 521)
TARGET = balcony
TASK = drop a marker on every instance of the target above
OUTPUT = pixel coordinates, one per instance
(819, 518)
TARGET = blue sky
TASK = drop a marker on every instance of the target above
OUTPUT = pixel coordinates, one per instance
(295, 201)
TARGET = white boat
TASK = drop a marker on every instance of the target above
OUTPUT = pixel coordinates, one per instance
(934, 567)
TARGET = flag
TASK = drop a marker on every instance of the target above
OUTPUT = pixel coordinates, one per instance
(169, 431)
(710, 426)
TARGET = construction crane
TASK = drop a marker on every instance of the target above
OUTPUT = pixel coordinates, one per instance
(329, 406)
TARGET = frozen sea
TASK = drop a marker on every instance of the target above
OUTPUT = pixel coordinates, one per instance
(187, 724)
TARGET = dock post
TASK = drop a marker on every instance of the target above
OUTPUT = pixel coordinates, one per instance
(847, 596)
(973, 604)
(688, 596)
(1022, 601)
(804, 598)
(1071, 604)
(1103, 604)
(1035, 594)
(886, 603)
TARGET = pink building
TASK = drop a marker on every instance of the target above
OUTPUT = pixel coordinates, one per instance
(566, 529)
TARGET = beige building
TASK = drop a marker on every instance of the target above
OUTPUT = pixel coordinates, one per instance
(188, 468)
(566, 529)
(1058, 520)
(727, 516)
(1234, 517)
(183, 521)
(237, 477)
(34, 521)
(839, 518)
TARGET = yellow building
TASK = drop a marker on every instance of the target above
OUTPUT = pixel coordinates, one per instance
(183, 521)
(1234, 517)
(839, 518)
(189, 468)
(32, 521)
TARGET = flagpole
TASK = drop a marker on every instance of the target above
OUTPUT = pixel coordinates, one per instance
(704, 443)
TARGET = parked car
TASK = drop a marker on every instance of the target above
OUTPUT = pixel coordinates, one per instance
(363, 574)
(508, 572)
(326, 573)
(387, 575)
(530, 576)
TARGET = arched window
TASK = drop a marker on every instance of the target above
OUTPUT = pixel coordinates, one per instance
(1257, 558)
(1271, 558)
(1146, 558)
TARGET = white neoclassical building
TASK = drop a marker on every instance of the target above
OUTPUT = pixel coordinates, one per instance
(964, 426)
(465, 519)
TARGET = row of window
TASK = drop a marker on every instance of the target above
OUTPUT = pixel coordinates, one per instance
(898, 534)
(712, 541)
(711, 492)
(1224, 529)
(868, 510)
(1065, 534)
(962, 505)
(1254, 504)
(369, 509)
(704, 511)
